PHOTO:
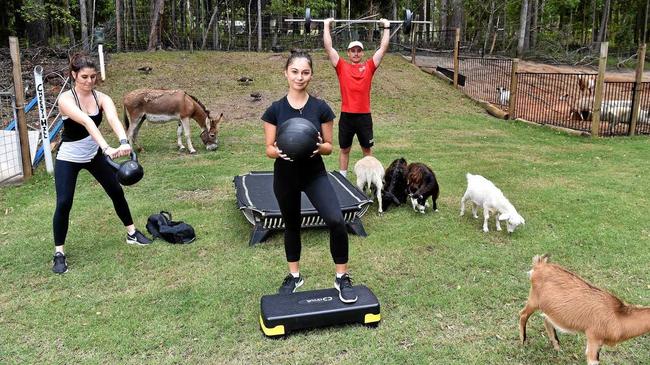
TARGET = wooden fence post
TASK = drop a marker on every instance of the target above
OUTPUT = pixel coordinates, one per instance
(513, 89)
(598, 95)
(20, 108)
(456, 52)
(636, 103)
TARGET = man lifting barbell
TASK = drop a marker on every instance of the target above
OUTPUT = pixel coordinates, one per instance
(355, 81)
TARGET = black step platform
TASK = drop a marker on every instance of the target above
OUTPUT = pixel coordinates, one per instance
(255, 198)
(282, 314)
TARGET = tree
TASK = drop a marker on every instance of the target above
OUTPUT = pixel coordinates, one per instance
(156, 16)
(523, 15)
(118, 24)
(84, 24)
(602, 31)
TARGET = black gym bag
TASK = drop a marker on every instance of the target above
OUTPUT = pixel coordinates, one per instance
(162, 226)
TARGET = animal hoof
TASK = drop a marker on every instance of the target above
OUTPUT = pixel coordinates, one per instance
(181, 148)
(192, 152)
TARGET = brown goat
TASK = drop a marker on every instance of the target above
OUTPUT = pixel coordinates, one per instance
(421, 184)
(570, 304)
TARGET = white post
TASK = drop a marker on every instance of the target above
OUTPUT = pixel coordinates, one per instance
(102, 70)
(42, 115)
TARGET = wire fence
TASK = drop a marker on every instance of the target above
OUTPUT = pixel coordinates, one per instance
(10, 161)
(556, 99)
(486, 79)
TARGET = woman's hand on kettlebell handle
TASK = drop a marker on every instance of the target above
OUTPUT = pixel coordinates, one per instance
(123, 150)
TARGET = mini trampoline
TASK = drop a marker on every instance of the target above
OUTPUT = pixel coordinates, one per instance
(255, 198)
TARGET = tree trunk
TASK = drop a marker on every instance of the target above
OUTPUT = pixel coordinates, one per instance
(644, 36)
(528, 23)
(248, 22)
(84, 24)
(494, 36)
(443, 15)
(154, 28)
(259, 25)
(489, 26)
(92, 23)
(134, 23)
(602, 31)
(189, 26)
(534, 26)
(458, 16)
(523, 15)
(68, 28)
(594, 33)
(37, 30)
(208, 28)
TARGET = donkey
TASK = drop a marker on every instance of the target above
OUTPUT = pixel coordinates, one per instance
(160, 105)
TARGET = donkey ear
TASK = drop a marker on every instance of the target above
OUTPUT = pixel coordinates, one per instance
(504, 217)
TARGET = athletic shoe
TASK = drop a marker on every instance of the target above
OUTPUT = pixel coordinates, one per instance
(346, 291)
(60, 265)
(137, 239)
(290, 284)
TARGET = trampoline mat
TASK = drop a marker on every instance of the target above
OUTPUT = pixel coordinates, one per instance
(255, 198)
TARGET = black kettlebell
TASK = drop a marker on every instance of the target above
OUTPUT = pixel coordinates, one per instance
(128, 172)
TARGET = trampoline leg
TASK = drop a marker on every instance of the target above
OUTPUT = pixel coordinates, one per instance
(258, 235)
(356, 227)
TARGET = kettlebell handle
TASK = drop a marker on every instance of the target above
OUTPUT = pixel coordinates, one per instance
(116, 165)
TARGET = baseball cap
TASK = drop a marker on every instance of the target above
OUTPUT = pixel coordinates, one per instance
(355, 44)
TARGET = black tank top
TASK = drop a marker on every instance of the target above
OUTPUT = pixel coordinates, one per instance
(73, 131)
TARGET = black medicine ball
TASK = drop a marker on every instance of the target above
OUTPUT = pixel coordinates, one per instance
(297, 138)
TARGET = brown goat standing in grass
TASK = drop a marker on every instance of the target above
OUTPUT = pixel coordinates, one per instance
(570, 304)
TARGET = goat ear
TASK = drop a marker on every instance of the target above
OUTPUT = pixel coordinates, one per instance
(504, 217)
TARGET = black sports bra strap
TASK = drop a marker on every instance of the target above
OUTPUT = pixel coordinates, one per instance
(96, 100)
(76, 98)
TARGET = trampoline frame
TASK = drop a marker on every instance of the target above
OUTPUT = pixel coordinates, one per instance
(264, 222)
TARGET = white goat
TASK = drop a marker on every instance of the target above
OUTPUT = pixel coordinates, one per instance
(644, 116)
(570, 304)
(616, 111)
(503, 95)
(370, 172)
(482, 192)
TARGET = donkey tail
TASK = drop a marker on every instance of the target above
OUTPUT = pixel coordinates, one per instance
(126, 119)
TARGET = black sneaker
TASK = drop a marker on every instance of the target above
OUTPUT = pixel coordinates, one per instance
(346, 291)
(137, 239)
(60, 265)
(290, 284)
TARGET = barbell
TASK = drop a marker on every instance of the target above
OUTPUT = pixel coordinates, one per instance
(408, 20)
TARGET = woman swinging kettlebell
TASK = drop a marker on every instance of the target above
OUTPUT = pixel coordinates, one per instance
(84, 147)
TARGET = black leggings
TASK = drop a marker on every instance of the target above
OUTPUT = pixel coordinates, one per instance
(65, 180)
(287, 185)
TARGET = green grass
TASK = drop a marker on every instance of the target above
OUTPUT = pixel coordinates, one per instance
(450, 294)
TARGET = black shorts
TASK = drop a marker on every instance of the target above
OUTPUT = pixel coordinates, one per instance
(354, 123)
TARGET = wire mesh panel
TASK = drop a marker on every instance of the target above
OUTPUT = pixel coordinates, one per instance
(484, 77)
(10, 161)
(554, 98)
(643, 121)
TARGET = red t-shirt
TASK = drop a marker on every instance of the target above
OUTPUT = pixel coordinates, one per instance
(355, 82)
